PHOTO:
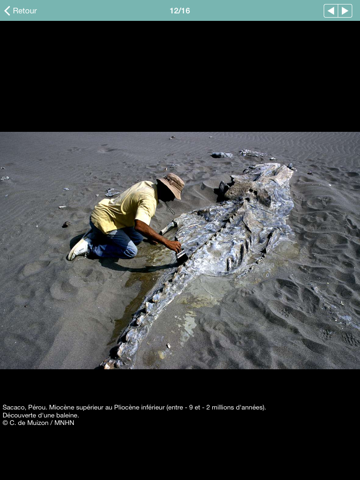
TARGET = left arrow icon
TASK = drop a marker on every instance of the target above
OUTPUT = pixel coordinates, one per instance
(6, 10)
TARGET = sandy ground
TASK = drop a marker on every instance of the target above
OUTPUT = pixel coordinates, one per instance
(299, 310)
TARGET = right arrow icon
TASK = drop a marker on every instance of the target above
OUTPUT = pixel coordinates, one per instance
(343, 10)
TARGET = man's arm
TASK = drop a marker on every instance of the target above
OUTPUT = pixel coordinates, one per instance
(148, 232)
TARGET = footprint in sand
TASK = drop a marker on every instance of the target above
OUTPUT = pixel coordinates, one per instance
(62, 290)
(315, 347)
(281, 315)
(326, 334)
(285, 312)
(19, 347)
(33, 268)
(106, 150)
(74, 149)
(318, 202)
(329, 241)
(89, 275)
(288, 289)
(257, 349)
(334, 170)
(352, 227)
(349, 339)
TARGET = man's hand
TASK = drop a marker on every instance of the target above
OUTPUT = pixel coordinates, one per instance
(176, 246)
(149, 233)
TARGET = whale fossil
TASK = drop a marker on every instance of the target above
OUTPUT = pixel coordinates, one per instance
(229, 237)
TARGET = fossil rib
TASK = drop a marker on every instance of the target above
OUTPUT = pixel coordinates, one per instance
(222, 239)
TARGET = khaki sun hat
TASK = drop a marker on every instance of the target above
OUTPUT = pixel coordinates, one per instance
(174, 183)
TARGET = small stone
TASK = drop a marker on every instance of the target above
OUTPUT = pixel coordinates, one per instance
(222, 155)
(62, 206)
(168, 345)
(65, 225)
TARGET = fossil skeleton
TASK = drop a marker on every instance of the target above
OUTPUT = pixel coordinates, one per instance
(222, 239)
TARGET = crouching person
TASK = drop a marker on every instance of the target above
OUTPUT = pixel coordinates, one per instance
(121, 223)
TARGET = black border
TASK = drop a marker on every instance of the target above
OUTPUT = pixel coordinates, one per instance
(179, 76)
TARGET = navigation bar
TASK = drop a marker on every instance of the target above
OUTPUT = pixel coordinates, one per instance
(186, 10)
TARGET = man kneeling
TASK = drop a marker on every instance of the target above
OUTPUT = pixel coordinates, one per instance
(122, 223)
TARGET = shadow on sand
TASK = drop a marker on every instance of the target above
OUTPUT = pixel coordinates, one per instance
(112, 264)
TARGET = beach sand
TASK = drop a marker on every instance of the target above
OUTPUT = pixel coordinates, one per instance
(299, 310)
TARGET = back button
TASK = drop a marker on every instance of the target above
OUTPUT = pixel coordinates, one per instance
(330, 10)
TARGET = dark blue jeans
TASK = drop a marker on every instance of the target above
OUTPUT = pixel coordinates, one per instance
(117, 243)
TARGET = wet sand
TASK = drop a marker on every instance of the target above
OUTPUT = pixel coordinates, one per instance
(299, 310)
